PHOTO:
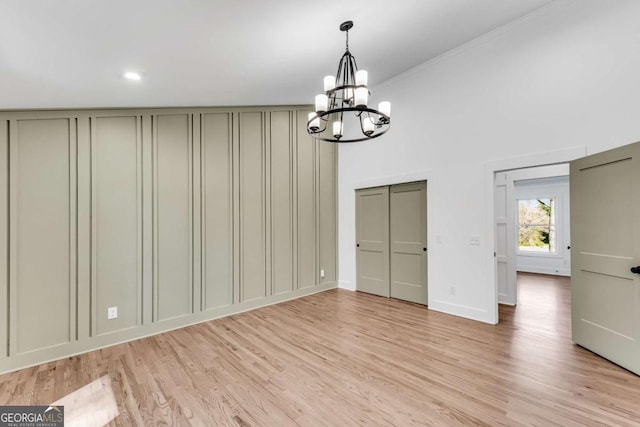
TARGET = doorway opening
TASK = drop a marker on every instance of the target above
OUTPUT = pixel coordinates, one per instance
(492, 169)
(532, 225)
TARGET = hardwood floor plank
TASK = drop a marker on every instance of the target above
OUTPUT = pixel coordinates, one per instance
(347, 358)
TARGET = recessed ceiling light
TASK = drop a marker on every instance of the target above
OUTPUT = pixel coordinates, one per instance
(132, 75)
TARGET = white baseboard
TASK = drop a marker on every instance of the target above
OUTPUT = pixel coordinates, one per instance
(545, 270)
(345, 284)
(460, 310)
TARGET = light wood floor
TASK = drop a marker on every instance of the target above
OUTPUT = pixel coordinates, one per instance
(344, 358)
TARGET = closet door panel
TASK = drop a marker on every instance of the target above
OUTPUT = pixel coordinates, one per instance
(217, 209)
(252, 206)
(306, 204)
(173, 291)
(372, 240)
(408, 242)
(116, 221)
(42, 234)
(281, 202)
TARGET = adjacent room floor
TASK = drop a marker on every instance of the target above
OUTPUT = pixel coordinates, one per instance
(347, 358)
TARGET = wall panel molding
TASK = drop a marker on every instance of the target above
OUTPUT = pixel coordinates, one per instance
(217, 209)
(281, 142)
(306, 204)
(327, 211)
(42, 234)
(174, 216)
(4, 238)
(116, 221)
(84, 228)
(253, 206)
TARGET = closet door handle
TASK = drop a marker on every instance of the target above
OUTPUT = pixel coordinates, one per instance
(635, 270)
(357, 245)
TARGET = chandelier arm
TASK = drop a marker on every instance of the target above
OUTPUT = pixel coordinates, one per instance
(381, 128)
(339, 72)
(348, 141)
(356, 109)
(320, 129)
(337, 88)
(376, 122)
(352, 72)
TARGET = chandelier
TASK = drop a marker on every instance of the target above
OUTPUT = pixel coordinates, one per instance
(347, 92)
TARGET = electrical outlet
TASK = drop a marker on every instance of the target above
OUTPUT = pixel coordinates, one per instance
(452, 290)
(322, 273)
(112, 313)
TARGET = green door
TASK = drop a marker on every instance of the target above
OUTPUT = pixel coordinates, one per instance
(605, 234)
(372, 240)
(408, 242)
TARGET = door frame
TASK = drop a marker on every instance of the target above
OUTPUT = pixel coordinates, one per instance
(490, 169)
(424, 175)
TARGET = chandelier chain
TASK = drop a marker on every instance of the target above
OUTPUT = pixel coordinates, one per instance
(347, 40)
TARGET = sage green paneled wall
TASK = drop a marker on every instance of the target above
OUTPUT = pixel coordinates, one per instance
(41, 198)
(306, 205)
(327, 210)
(174, 216)
(253, 220)
(116, 221)
(217, 201)
(281, 201)
(4, 236)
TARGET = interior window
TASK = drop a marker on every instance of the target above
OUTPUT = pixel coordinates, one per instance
(536, 225)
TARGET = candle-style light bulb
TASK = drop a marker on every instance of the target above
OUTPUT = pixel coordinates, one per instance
(385, 108)
(329, 83)
(362, 95)
(314, 125)
(368, 126)
(337, 130)
(361, 78)
(321, 103)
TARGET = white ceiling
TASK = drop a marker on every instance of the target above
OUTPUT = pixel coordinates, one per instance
(72, 53)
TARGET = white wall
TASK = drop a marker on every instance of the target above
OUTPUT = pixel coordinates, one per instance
(558, 263)
(564, 76)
